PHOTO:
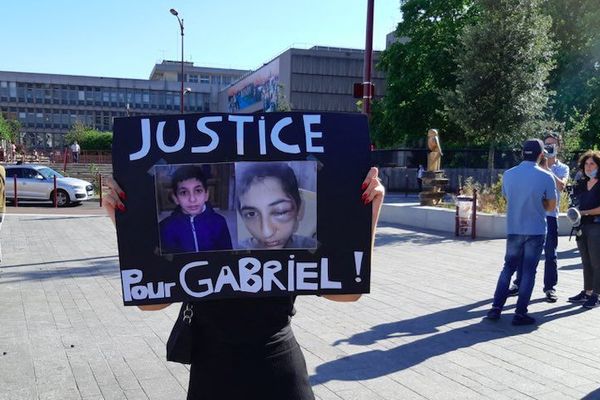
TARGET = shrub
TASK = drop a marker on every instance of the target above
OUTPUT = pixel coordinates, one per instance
(491, 200)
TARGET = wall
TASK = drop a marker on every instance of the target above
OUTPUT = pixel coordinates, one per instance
(400, 178)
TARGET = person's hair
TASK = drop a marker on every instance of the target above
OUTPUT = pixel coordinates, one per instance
(593, 154)
(187, 172)
(259, 171)
(555, 136)
(534, 154)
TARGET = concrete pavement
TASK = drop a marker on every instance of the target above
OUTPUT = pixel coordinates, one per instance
(64, 333)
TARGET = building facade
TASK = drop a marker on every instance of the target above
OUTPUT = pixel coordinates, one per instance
(315, 79)
(47, 105)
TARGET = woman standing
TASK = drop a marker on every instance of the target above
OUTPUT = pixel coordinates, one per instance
(245, 348)
(587, 191)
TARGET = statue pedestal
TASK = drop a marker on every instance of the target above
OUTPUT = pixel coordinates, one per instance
(434, 185)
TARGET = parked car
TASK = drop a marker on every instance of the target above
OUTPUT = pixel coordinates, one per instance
(36, 182)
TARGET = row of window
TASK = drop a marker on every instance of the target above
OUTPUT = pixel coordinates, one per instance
(64, 119)
(98, 96)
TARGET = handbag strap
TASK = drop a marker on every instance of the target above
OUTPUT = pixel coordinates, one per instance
(188, 313)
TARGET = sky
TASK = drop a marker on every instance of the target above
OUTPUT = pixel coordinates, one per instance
(125, 38)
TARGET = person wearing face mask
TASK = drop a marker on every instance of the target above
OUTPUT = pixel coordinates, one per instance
(587, 192)
(560, 173)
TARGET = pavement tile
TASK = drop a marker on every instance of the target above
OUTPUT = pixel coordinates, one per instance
(418, 335)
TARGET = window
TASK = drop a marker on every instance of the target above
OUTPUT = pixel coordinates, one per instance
(12, 172)
(204, 79)
(81, 95)
(193, 78)
(12, 89)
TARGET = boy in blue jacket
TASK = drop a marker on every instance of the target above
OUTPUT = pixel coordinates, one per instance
(193, 226)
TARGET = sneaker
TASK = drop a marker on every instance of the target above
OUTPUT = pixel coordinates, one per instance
(523, 319)
(591, 302)
(551, 296)
(580, 298)
(513, 290)
(493, 314)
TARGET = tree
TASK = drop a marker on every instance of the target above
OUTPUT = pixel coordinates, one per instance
(419, 67)
(89, 138)
(9, 129)
(575, 80)
(503, 67)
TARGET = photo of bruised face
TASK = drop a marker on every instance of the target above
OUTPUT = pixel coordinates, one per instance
(270, 214)
(276, 204)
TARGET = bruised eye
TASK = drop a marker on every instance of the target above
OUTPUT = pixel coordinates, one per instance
(283, 214)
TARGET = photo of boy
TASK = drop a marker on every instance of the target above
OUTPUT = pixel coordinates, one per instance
(272, 205)
(193, 226)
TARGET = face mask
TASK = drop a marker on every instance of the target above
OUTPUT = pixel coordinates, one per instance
(592, 174)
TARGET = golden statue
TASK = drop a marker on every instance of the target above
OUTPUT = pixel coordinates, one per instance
(434, 158)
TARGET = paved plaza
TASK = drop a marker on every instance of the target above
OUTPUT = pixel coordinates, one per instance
(64, 333)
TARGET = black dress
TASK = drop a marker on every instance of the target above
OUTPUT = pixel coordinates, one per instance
(245, 349)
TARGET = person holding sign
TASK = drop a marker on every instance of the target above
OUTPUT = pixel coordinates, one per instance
(269, 203)
(193, 226)
(245, 348)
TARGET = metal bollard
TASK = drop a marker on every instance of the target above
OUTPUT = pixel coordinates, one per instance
(474, 216)
(15, 191)
(55, 195)
(100, 187)
(456, 221)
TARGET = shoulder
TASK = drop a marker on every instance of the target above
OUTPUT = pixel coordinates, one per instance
(212, 214)
(169, 221)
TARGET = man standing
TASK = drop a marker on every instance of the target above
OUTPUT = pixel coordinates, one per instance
(530, 192)
(420, 172)
(75, 149)
(560, 173)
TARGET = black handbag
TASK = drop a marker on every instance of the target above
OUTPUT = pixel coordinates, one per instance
(180, 343)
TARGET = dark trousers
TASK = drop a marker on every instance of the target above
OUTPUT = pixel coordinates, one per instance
(75, 157)
(589, 248)
(550, 263)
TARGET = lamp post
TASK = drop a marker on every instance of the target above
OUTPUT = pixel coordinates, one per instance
(175, 13)
(367, 84)
(187, 91)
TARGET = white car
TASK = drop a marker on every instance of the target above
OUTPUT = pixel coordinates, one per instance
(36, 182)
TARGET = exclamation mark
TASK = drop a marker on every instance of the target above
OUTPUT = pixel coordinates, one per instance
(358, 255)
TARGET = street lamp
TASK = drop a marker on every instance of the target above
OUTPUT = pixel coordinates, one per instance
(175, 13)
(187, 91)
(367, 84)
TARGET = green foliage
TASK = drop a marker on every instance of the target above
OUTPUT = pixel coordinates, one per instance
(489, 198)
(282, 102)
(419, 66)
(576, 79)
(503, 65)
(89, 138)
(9, 129)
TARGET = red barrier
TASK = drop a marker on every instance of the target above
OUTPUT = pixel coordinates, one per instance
(65, 160)
(15, 190)
(100, 187)
(55, 199)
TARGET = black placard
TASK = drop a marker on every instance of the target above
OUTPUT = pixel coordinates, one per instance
(174, 248)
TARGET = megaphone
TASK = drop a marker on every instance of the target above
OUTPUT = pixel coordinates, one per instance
(574, 216)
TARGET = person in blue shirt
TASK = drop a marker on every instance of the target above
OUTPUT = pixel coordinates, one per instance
(530, 191)
(560, 173)
(193, 226)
